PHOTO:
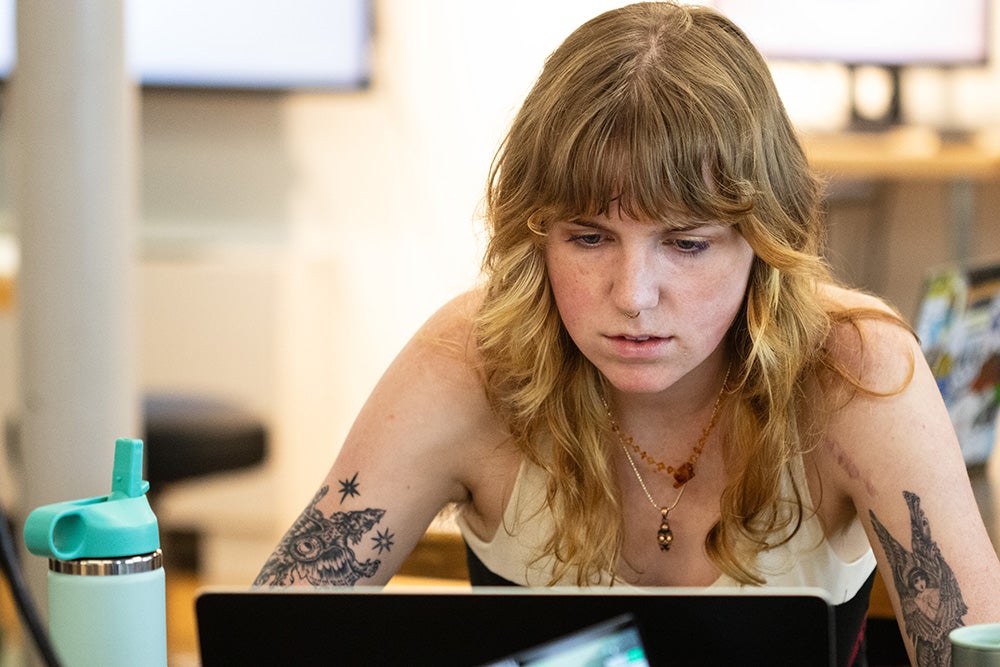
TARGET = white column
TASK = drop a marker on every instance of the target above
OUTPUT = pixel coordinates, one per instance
(73, 119)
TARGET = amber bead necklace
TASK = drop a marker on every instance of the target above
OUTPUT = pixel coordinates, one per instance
(681, 474)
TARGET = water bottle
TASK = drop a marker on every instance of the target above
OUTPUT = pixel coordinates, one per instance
(107, 596)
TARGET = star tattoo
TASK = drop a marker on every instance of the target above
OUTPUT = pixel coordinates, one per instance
(384, 540)
(349, 487)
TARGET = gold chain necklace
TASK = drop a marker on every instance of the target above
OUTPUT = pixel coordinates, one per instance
(683, 475)
(664, 536)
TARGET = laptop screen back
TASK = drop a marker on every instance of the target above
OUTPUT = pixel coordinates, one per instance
(487, 626)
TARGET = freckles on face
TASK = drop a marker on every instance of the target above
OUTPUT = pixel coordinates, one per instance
(687, 287)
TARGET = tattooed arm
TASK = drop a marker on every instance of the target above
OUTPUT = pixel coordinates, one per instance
(419, 443)
(895, 461)
(928, 593)
(321, 549)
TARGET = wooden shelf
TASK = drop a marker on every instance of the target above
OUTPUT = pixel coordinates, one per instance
(906, 153)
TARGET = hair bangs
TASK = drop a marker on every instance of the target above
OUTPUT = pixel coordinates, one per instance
(632, 168)
(657, 154)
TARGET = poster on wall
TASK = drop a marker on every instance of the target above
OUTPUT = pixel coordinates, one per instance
(959, 329)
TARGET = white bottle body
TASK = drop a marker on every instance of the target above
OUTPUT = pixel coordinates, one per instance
(109, 620)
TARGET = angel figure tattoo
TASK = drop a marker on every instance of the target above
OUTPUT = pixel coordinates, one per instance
(931, 603)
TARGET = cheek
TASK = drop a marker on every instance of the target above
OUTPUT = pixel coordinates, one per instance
(739, 272)
(714, 309)
(721, 300)
(739, 290)
(568, 281)
(571, 302)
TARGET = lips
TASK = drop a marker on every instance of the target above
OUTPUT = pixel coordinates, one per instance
(636, 337)
(637, 346)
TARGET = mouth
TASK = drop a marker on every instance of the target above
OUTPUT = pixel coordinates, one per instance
(637, 343)
(641, 347)
(636, 338)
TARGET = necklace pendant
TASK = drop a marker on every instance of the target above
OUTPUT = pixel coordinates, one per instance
(664, 536)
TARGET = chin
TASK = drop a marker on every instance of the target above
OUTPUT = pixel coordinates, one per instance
(641, 383)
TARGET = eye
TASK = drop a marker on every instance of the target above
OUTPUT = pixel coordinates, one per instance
(691, 246)
(587, 238)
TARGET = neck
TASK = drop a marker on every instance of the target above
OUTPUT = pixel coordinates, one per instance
(688, 400)
(669, 439)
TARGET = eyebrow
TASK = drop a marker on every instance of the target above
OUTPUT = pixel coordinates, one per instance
(584, 222)
(679, 226)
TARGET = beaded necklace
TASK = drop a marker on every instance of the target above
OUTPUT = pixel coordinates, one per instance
(682, 474)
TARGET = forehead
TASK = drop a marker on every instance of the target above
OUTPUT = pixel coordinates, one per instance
(673, 219)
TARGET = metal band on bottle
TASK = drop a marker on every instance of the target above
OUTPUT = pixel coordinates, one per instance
(104, 567)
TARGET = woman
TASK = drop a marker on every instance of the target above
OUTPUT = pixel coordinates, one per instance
(659, 383)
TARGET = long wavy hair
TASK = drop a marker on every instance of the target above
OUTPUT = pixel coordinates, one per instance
(659, 108)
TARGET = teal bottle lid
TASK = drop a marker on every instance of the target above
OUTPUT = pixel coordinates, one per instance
(112, 526)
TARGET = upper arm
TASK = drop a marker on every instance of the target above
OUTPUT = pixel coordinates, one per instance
(896, 458)
(404, 459)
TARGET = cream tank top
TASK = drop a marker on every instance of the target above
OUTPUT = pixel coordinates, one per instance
(808, 559)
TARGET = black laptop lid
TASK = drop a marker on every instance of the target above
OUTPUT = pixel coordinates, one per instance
(486, 626)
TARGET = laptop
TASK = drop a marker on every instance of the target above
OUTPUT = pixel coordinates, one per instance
(515, 626)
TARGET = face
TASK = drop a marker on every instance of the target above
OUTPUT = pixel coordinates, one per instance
(687, 287)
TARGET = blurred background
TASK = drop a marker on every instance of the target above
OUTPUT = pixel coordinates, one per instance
(292, 227)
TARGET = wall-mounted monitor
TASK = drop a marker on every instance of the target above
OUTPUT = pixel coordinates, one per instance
(889, 34)
(866, 32)
(274, 44)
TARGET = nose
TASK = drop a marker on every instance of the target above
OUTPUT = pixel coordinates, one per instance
(635, 282)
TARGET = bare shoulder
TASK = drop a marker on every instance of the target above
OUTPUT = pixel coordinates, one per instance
(877, 387)
(439, 366)
(845, 298)
(870, 339)
(433, 398)
(452, 324)
(442, 355)
(886, 420)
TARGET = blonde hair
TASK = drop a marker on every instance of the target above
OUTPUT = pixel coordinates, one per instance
(660, 108)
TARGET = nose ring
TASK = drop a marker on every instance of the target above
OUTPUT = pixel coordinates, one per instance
(632, 315)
